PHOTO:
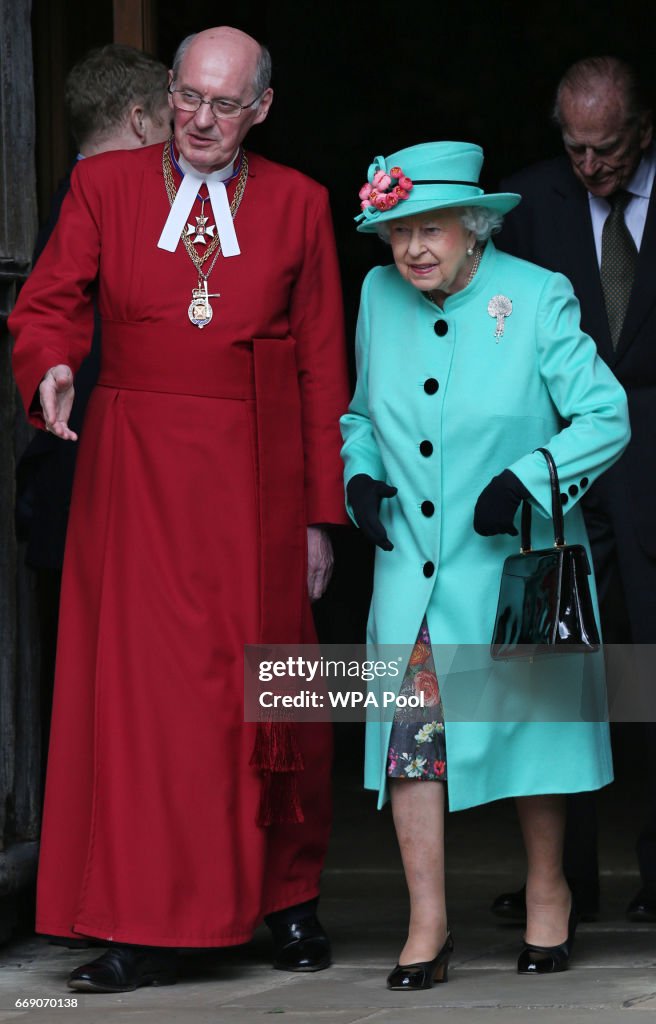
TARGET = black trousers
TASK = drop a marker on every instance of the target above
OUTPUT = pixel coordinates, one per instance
(626, 584)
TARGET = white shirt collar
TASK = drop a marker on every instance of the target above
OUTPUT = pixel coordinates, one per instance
(222, 174)
(184, 202)
(642, 180)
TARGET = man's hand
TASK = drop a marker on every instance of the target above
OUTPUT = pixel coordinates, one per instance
(364, 496)
(320, 562)
(56, 393)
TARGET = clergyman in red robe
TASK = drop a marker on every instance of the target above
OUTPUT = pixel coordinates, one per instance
(208, 461)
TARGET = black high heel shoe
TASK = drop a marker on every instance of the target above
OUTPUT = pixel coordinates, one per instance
(549, 959)
(411, 977)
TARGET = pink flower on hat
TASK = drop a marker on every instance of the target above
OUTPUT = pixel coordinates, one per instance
(385, 190)
(382, 181)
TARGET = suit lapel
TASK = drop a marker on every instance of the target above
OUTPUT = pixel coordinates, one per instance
(577, 240)
(643, 293)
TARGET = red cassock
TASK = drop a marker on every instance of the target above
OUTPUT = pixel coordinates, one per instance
(203, 456)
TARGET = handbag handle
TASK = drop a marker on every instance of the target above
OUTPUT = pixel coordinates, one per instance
(556, 508)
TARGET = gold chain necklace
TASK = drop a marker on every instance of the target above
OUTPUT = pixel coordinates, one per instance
(200, 311)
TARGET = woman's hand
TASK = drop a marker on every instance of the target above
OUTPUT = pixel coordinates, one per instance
(364, 496)
(497, 504)
(56, 393)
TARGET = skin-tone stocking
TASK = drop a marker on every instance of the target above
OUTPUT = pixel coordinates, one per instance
(418, 812)
(548, 899)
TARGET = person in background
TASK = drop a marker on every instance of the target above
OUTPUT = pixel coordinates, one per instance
(591, 214)
(468, 361)
(208, 466)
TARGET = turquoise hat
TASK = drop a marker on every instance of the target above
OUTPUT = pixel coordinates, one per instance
(431, 176)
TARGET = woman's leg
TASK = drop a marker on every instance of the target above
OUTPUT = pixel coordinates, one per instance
(418, 811)
(548, 899)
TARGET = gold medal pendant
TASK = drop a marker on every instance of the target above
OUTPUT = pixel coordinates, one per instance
(200, 311)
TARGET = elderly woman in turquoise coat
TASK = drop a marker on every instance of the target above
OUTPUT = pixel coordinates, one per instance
(468, 360)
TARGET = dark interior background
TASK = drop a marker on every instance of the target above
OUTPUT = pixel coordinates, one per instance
(354, 80)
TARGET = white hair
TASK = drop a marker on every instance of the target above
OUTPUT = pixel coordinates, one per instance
(482, 221)
(479, 219)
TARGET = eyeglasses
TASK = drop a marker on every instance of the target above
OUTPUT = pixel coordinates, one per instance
(185, 99)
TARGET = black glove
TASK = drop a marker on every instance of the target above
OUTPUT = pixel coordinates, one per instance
(497, 504)
(364, 496)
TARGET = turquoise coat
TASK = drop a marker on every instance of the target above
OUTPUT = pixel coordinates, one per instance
(540, 384)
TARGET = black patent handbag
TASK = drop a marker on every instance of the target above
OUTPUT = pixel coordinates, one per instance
(545, 605)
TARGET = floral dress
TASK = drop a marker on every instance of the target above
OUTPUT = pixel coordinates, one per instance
(417, 750)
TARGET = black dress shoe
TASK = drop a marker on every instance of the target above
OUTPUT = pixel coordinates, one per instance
(124, 968)
(511, 906)
(300, 945)
(548, 959)
(411, 977)
(642, 907)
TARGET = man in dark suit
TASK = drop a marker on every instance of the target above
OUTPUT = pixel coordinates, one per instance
(591, 214)
(116, 98)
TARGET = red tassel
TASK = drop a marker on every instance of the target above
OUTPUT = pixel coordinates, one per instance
(279, 800)
(276, 749)
(276, 753)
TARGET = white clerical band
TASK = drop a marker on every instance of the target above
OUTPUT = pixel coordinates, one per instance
(185, 199)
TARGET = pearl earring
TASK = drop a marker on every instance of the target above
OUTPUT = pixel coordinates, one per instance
(470, 251)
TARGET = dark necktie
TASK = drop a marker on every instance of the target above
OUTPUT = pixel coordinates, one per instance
(618, 260)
